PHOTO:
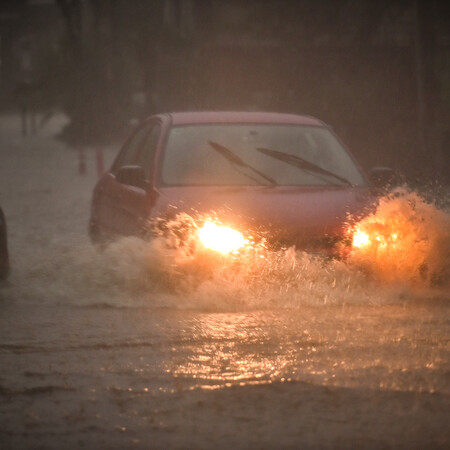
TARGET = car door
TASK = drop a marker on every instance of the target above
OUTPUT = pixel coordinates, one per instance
(134, 203)
(109, 194)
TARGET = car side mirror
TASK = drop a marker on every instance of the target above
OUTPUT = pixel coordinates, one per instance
(383, 177)
(132, 176)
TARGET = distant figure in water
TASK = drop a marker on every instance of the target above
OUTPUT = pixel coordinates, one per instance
(27, 91)
(26, 94)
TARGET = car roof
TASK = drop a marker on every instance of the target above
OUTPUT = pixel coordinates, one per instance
(204, 117)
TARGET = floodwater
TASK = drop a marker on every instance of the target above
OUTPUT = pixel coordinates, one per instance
(143, 345)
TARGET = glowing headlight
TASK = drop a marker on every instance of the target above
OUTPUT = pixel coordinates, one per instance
(360, 239)
(221, 239)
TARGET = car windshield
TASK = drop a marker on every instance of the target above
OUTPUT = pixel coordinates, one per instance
(249, 154)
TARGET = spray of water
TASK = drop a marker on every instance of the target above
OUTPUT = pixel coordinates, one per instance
(406, 240)
(405, 252)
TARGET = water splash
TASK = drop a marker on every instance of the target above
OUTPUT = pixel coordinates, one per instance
(406, 241)
(174, 270)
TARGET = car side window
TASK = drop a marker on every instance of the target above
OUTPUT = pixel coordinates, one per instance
(129, 152)
(147, 154)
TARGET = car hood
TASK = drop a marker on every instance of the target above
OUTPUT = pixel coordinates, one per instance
(288, 212)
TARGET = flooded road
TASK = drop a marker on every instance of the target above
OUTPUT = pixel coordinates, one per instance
(139, 346)
(138, 377)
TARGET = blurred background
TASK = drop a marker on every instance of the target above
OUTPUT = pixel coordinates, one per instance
(377, 71)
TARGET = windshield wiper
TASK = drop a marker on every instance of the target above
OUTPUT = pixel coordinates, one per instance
(238, 161)
(302, 163)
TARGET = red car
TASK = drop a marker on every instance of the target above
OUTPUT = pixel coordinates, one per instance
(285, 175)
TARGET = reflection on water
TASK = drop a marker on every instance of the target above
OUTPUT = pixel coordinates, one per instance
(231, 347)
(387, 347)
